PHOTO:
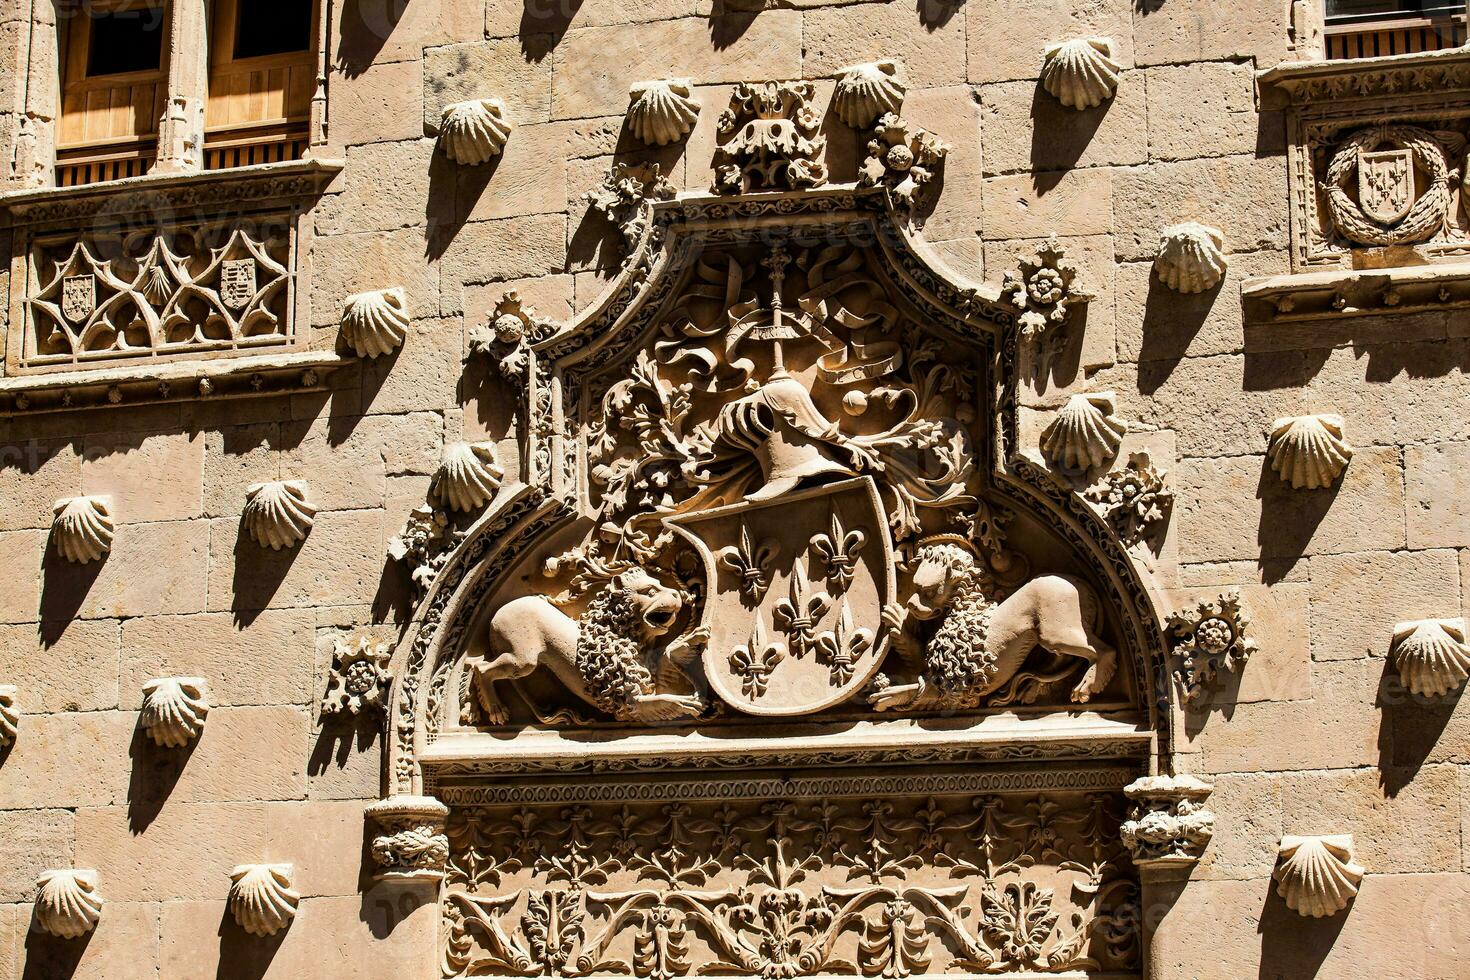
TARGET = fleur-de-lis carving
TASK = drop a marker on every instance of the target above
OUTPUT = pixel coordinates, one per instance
(839, 548)
(755, 660)
(798, 614)
(751, 564)
(843, 646)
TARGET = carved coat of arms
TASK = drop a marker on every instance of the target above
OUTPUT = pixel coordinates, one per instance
(1386, 184)
(78, 297)
(237, 282)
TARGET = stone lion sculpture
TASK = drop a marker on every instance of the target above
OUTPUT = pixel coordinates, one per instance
(980, 645)
(607, 658)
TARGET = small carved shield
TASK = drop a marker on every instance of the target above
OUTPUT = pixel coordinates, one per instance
(1386, 184)
(78, 297)
(237, 282)
(797, 585)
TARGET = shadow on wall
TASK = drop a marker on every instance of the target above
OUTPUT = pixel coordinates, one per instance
(1289, 518)
(1059, 137)
(1409, 728)
(340, 739)
(366, 26)
(154, 774)
(1293, 946)
(543, 24)
(1171, 321)
(243, 956)
(53, 958)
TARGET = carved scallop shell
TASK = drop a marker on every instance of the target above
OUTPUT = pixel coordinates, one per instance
(9, 715)
(262, 899)
(468, 477)
(865, 92)
(1308, 451)
(1316, 875)
(277, 514)
(1085, 433)
(474, 132)
(67, 903)
(662, 112)
(174, 709)
(83, 528)
(1190, 259)
(1081, 72)
(375, 322)
(1431, 655)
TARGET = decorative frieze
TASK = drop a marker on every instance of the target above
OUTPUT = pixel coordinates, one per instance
(1085, 434)
(1308, 451)
(375, 322)
(1431, 655)
(9, 715)
(82, 528)
(1317, 876)
(262, 900)
(663, 111)
(770, 139)
(277, 514)
(468, 478)
(474, 132)
(1169, 824)
(1135, 500)
(359, 677)
(409, 841)
(174, 710)
(1207, 639)
(68, 904)
(1190, 257)
(867, 91)
(1080, 73)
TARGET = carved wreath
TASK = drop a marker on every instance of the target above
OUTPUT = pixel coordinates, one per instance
(1427, 215)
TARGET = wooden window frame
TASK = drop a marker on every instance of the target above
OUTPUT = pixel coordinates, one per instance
(76, 50)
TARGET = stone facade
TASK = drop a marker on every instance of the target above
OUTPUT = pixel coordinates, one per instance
(759, 488)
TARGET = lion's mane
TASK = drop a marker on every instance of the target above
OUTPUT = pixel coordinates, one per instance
(955, 659)
(609, 655)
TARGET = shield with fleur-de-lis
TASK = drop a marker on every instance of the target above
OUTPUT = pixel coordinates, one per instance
(797, 585)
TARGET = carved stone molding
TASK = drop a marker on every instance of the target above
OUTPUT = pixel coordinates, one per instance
(262, 899)
(68, 904)
(1318, 296)
(174, 710)
(1169, 824)
(9, 715)
(1317, 876)
(409, 842)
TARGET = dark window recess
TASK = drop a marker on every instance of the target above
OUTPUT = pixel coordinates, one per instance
(1367, 11)
(124, 41)
(267, 27)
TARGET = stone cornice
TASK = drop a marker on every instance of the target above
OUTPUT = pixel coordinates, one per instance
(1398, 76)
(1356, 292)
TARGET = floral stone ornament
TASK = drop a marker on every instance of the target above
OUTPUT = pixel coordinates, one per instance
(1207, 639)
(1168, 824)
(67, 903)
(359, 680)
(174, 709)
(1134, 499)
(410, 842)
(1317, 876)
(902, 158)
(82, 528)
(262, 899)
(512, 328)
(770, 139)
(1043, 289)
(625, 196)
(9, 715)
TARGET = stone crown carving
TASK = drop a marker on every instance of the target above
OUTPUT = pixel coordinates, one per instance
(277, 514)
(1208, 639)
(67, 903)
(359, 678)
(865, 92)
(475, 131)
(1317, 876)
(1308, 451)
(83, 528)
(1431, 655)
(662, 112)
(375, 322)
(1169, 824)
(1190, 257)
(174, 710)
(9, 715)
(468, 477)
(261, 899)
(1081, 73)
(1085, 434)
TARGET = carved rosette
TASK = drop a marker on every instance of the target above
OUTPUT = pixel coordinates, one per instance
(9, 715)
(277, 514)
(409, 842)
(1134, 500)
(1317, 876)
(67, 903)
(174, 710)
(83, 528)
(1208, 639)
(359, 679)
(663, 111)
(513, 327)
(904, 159)
(1431, 655)
(261, 898)
(423, 544)
(1168, 825)
(1043, 289)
